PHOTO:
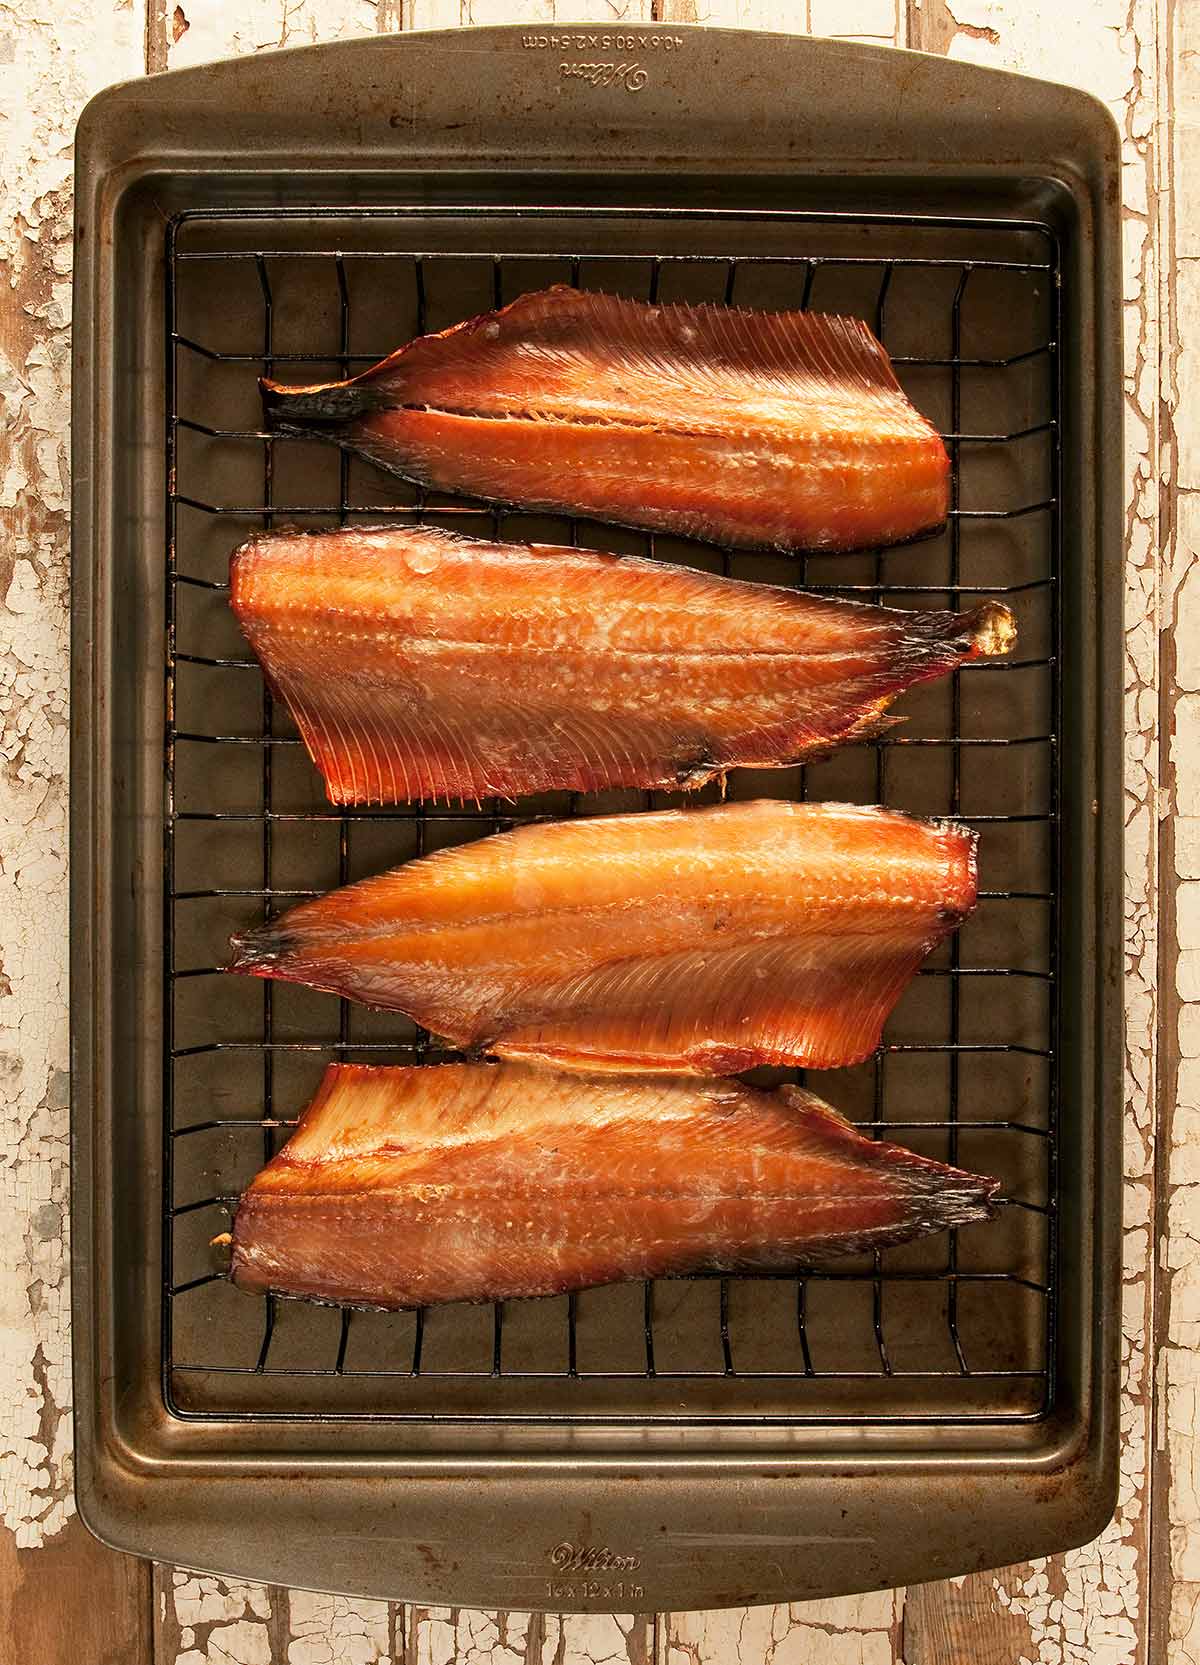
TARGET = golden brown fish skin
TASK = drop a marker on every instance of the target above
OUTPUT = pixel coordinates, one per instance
(473, 1182)
(782, 430)
(421, 665)
(701, 941)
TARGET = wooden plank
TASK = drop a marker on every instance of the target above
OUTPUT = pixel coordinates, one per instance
(1175, 1615)
(62, 1596)
(961, 1619)
(852, 1630)
(464, 1636)
(741, 14)
(452, 14)
(212, 1621)
(1092, 1605)
(72, 1600)
(203, 1620)
(196, 31)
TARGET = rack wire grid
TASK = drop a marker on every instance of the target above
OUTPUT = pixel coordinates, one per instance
(955, 1328)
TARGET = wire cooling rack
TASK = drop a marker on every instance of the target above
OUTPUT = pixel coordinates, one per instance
(959, 1327)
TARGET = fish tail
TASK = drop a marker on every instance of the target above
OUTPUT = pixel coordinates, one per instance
(938, 1196)
(931, 1196)
(260, 951)
(955, 1198)
(328, 408)
(992, 629)
(871, 724)
(937, 640)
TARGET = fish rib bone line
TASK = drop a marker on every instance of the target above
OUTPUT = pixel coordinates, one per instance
(385, 630)
(879, 897)
(909, 424)
(750, 1192)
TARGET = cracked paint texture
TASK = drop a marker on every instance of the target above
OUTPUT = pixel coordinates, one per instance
(1091, 1605)
(210, 1621)
(462, 1636)
(853, 1630)
(229, 28)
(1180, 1244)
(47, 78)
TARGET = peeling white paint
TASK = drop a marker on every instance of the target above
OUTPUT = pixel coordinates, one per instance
(1179, 1370)
(465, 1636)
(745, 14)
(1088, 1607)
(591, 1639)
(53, 64)
(850, 1630)
(443, 1635)
(450, 14)
(229, 28)
(869, 19)
(218, 1622)
(243, 1643)
(331, 1630)
(203, 1600)
(35, 1388)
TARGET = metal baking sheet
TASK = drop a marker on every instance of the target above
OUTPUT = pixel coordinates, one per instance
(698, 1435)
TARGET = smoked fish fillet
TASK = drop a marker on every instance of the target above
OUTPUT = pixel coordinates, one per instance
(475, 1182)
(702, 941)
(418, 664)
(777, 430)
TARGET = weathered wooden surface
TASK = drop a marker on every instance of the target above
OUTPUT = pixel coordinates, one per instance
(68, 1598)
(1134, 1596)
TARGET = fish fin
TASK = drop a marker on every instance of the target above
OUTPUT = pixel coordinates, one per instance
(308, 941)
(387, 744)
(871, 724)
(333, 407)
(450, 737)
(791, 1121)
(779, 746)
(826, 1123)
(718, 1011)
(828, 1127)
(321, 1125)
(307, 944)
(320, 404)
(677, 342)
(791, 353)
(561, 332)
(366, 1111)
